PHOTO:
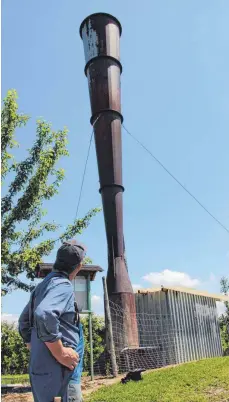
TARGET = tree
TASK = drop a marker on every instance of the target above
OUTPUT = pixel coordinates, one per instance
(224, 318)
(35, 180)
(97, 336)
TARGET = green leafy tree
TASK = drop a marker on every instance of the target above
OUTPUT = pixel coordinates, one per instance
(97, 336)
(224, 318)
(15, 355)
(35, 179)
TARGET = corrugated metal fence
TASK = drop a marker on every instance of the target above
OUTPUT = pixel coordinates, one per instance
(185, 326)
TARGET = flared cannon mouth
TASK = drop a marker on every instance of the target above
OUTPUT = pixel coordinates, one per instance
(100, 15)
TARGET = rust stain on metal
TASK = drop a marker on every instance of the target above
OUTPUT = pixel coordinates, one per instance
(101, 35)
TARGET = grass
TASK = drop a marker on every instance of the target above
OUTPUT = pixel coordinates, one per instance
(15, 379)
(22, 378)
(206, 380)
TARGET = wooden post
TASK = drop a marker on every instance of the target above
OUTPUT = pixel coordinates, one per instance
(109, 329)
(90, 326)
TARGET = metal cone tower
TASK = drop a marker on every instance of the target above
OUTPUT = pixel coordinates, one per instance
(101, 36)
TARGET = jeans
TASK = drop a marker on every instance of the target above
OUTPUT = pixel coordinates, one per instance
(74, 392)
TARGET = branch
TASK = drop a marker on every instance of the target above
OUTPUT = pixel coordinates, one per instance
(26, 258)
(79, 225)
(13, 284)
(10, 120)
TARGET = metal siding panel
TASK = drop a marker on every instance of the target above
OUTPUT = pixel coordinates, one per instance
(188, 327)
(195, 327)
(175, 326)
(195, 323)
(218, 337)
(201, 331)
(180, 327)
(173, 334)
(171, 347)
(207, 330)
(213, 325)
(183, 326)
(141, 318)
(212, 328)
(186, 344)
(199, 345)
(216, 340)
(140, 313)
(160, 339)
(218, 330)
(151, 338)
(203, 334)
(191, 326)
(145, 335)
(164, 330)
(154, 310)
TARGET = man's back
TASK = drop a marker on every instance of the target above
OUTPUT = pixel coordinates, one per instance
(54, 299)
(52, 316)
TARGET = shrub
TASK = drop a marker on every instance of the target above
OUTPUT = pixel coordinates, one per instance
(15, 356)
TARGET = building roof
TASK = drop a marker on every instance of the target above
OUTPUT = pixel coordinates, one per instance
(43, 269)
(184, 290)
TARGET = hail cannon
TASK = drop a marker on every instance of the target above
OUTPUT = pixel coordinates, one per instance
(101, 36)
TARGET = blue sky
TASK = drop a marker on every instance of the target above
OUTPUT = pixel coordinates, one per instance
(175, 99)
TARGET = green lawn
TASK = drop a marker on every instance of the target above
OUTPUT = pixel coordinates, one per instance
(21, 378)
(206, 380)
(15, 379)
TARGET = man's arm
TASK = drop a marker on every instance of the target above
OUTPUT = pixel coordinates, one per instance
(65, 356)
(24, 324)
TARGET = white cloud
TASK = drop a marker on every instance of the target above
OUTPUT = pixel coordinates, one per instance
(10, 318)
(136, 286)
(220, 307)
(96, 300)
(171, 278)
(97, 304)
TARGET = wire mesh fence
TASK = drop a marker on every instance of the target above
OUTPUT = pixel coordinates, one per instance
(157, 343)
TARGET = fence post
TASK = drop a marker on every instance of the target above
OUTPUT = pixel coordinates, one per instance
(109, 329)
(90, 327)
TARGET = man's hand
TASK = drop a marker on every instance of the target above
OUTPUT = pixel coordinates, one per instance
(28, 345)
(68, 358)
(65, 356)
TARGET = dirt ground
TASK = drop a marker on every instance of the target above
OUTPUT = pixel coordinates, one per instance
(87, 387)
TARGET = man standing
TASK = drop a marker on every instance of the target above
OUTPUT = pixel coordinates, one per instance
(50, 326)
